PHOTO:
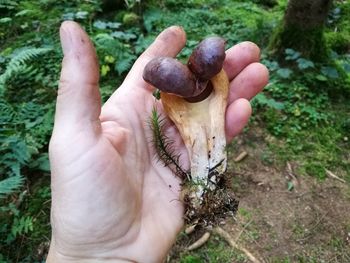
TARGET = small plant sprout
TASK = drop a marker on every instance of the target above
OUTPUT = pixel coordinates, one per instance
(194, 97)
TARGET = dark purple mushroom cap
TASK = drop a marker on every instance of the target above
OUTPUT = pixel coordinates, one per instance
(171, 76)
(191, 81)
(207, 58)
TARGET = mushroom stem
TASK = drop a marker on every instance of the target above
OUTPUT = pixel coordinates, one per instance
(202, 128)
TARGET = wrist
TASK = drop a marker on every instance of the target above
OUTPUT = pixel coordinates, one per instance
(55, 256)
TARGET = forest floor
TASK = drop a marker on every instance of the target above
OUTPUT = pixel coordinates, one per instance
(290, 209)
(276, 222)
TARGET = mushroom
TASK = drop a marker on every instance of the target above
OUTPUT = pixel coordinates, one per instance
(194, 96)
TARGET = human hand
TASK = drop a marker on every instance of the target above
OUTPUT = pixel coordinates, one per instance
(111, 199)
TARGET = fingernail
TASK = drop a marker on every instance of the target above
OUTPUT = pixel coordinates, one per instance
(66, 40)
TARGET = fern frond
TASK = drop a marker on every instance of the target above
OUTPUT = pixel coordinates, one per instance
(8, 4)
(164, 148)
(10, 185)
(107, 44)
(22, 225)
(18, 62)
(8, 113)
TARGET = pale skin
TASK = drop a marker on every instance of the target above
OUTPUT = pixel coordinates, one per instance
(112, 201)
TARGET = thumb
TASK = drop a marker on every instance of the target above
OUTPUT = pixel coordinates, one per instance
(78, 101)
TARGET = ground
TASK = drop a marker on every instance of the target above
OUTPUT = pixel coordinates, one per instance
(282, 216)
(290, 211)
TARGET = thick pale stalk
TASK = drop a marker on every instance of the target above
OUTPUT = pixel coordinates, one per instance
(202, 128)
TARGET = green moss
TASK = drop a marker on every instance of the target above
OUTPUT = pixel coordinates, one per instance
(315, 169)
(215, 250)
(191, 259)
(310, 42)
(344, 22)
(130, 19)
(339, 42)
(338, 33)
(316, 148)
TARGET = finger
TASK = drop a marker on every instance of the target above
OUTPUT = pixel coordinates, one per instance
(78, 100)
(249, 82)
(237, 116)
(240, 56)
(168, 44)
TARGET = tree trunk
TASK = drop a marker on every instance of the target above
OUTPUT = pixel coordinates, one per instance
(302, 29)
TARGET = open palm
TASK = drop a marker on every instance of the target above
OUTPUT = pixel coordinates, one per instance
(111, 199)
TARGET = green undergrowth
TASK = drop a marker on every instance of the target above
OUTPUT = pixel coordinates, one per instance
(303, 109)
(338, 27)
(314, 148)
(30, 226)
(236, 21)
(306, 110)
(215, 250)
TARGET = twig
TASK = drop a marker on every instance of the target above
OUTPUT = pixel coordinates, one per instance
(332, 175)
(243, 229)
(241, 156)
(234, 244)
(200, 242)
(190, 229)
(291, 177)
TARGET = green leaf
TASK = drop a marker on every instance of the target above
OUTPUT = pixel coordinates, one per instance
(100, 24)
(68, 16)
(19, 60)
(113, 25)
(8, 4)
(5, 20)
(104, 70)
(290, 186)
(24, 12)
(42, 163)
(305, 63)
(292, 54)
(81, 15)
(321, 77)
(272, 65)
(284, 73)
(123, 65)
(10, 185)
(124, 36)
(263, 100)
(346, 67)
(104, 25)
(22, 225)
(289, 51)
(330, 72)
(150, 17)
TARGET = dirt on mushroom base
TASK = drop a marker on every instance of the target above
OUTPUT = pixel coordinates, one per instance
(310, 223)
(216, 205)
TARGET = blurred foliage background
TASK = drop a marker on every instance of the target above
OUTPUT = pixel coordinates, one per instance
(305, 107)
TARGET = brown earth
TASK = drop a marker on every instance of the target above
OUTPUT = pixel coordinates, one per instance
(283, 217)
